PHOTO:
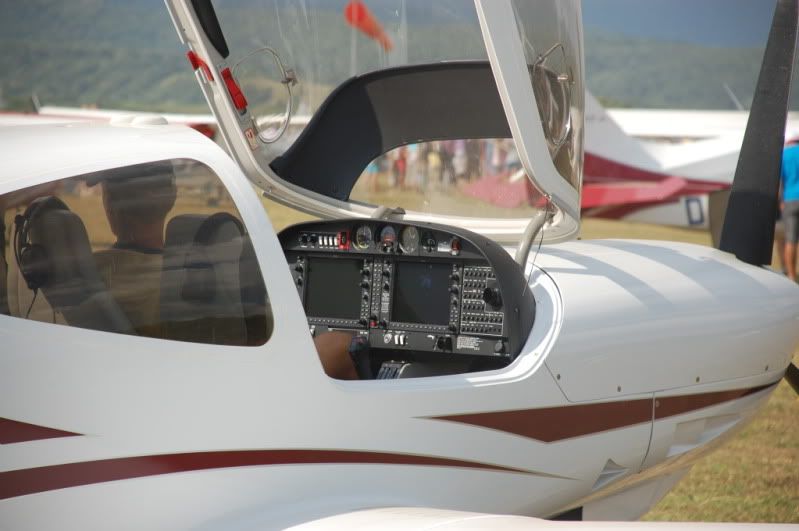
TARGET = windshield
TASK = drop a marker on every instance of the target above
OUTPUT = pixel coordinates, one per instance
(301, 50)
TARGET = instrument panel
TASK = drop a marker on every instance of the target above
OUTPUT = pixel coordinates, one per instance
(417, 292)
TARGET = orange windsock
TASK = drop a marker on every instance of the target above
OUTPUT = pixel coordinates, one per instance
(359, 17)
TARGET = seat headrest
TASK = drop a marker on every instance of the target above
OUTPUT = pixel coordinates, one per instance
(55, 255)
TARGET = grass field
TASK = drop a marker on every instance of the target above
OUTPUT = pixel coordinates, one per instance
(754, 477)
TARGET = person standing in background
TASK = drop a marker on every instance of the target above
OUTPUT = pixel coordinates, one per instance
(399, 168)
(372, 170)
(790, 206)
(434, 163)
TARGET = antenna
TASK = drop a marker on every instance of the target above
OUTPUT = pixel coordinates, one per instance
(735, 100)
(748, 230)
(35, 103)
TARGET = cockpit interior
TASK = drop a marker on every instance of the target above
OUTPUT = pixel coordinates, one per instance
(159, 250)
(419, 299)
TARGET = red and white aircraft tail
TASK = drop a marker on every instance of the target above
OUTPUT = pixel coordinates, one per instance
(663, 183)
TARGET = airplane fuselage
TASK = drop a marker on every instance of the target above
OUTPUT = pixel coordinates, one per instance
(642, 357)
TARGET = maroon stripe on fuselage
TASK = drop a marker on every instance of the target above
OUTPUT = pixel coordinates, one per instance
(32, 480)
(544, 424)
(564, 422)
(677, 405)
(13, 431)
(603, 169)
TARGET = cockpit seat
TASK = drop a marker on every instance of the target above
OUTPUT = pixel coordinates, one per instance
(133, 278)
(56, 259)
(204, 296)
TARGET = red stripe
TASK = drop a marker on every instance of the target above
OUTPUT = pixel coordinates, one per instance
(544, 424)
(12, 431)
(596, 168)
(606, 183)
(42, 479)
(677, 405)
(558, 423)
(604, 172)
(622, 192)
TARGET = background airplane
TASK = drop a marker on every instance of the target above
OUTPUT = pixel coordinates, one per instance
(680, 125)
(660, 168)
(643, 165)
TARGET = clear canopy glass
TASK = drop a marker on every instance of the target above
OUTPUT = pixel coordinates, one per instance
(289, 56)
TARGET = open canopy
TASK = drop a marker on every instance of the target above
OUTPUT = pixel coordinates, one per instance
(400, 108)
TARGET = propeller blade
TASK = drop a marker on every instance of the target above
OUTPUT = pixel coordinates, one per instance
(792, 375)
(748, 230)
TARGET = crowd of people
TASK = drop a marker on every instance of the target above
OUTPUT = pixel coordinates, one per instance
(441, 164)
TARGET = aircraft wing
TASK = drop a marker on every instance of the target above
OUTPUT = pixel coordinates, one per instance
(105, 115)
(409, 518)
(8, 118)
(204, 123)
(681, 124)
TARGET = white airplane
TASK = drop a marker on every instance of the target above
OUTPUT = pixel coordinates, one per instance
(672, 180)
(629, 176)
(157, 370)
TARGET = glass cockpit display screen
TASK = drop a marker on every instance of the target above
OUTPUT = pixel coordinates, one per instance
(421, 293)
(332, 288)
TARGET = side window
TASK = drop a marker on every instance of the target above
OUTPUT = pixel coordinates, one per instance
(155, 249)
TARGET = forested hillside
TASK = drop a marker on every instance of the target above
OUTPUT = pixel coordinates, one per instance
(125, 54)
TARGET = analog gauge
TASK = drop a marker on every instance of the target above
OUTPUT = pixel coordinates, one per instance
(363, 237)
(388, 238)
(409, 240)
(429, 243)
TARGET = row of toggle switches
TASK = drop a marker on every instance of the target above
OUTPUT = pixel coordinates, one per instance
(339, 240)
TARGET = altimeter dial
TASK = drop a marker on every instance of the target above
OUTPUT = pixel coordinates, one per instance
(363, 237)
(409, 240)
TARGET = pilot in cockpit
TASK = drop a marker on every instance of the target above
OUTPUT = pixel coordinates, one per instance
(133, 268)
(136, 209)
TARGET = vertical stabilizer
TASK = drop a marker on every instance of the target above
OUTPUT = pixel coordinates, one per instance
(605, 138)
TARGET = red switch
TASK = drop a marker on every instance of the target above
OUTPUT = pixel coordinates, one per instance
(239, 101)
(197, 63)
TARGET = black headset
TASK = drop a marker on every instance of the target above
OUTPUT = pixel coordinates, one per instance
(32, 259)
